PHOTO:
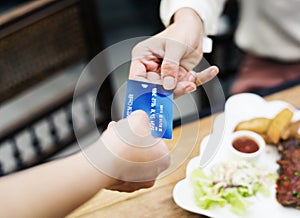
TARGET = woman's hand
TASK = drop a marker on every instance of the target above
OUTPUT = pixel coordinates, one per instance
(169, 57)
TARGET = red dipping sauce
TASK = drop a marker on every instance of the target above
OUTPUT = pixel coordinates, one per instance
(245, 144)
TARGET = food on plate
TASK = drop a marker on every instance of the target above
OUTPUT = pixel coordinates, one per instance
(291, 131)
(259, 125)
(273, 130)
(283, 133)
(230, 182)
(245, 145)
(288, 183)
(279, 124)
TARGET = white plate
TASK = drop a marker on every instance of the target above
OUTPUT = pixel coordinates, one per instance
(240, 107)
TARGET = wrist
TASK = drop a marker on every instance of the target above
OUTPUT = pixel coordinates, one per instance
(188, 15)
(96, 178)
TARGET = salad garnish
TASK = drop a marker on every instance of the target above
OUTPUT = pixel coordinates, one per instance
(231, 182)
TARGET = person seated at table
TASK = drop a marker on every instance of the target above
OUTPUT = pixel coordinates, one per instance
(268, 33)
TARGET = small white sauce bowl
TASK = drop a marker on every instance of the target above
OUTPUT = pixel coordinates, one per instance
(251, 135)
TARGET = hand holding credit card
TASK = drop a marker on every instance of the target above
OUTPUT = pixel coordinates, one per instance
(155, 101)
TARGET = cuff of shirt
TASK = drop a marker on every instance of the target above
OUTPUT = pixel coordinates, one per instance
(208, 10)
(204, 9)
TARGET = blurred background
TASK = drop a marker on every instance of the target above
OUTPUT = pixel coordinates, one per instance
(45, 45)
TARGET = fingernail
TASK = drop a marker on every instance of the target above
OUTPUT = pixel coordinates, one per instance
(213, 72)
(190, 89)
(111, 123)
(191, 78)
(169, 82)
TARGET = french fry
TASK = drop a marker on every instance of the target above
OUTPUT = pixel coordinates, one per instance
(258, 125)
(264, 136)
(278, 125)
(291, 130)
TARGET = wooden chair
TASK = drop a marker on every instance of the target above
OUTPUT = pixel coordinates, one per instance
(38, 40)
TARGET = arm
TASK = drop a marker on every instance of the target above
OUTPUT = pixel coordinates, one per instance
(52, 189)
(56, 188)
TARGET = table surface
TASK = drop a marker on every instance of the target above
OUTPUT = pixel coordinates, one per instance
(158, 201)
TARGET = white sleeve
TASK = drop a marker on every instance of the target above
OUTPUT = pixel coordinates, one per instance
(208, 10)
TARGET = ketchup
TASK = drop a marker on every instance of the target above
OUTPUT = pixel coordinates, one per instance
(245, 145)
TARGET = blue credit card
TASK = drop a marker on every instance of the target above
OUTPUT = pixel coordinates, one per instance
(155, 101)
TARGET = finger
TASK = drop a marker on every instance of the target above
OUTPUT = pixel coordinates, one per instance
(138, 122)
(151, 65)
(111, 123)
(184, 87)
(137, 69)
(174, 52)
(154, 77)
(140, 78)
(206, 75)
(131, 186)
(148, 184)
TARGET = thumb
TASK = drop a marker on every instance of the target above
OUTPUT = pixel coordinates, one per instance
(135, 130)
(138, 122)
(174, 51)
